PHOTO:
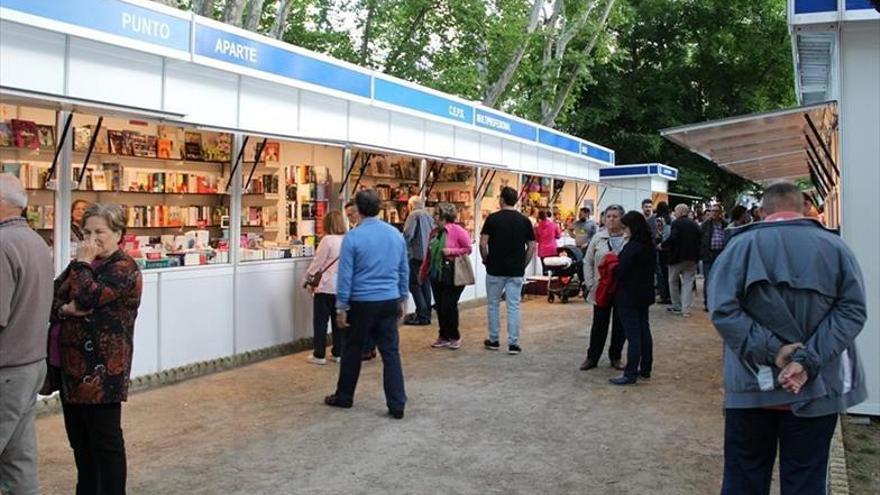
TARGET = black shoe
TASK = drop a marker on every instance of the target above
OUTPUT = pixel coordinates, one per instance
(396, 414)
(588, 364)
(645, 376)
(617, 364)
(622, 380)
(333, 400)
(491, 345)
(513, 349)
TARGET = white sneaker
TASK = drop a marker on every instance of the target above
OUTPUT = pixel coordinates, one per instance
(312, 359)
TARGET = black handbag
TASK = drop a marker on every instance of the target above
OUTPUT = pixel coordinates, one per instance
(312, 281)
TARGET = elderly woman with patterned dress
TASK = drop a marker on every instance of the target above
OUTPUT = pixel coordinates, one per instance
(93, 314)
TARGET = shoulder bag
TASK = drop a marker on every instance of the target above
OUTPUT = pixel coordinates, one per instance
(313, 280)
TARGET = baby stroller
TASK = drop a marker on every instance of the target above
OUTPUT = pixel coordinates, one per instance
(565, 270)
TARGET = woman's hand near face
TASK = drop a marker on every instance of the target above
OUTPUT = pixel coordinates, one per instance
(87, 251)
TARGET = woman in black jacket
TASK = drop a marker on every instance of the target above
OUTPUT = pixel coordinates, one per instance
(634, 295)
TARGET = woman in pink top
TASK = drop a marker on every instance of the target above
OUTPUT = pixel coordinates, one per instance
(546, 234)
(448, 241)
(324, 305)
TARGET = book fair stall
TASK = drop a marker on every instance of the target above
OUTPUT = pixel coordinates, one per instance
(227, 149)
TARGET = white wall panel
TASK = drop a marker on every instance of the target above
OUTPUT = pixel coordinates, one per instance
(859, 177)
(368, 125)
(302, 305)
(115, 75)
(146, 329)
(264, 312)
(407, 133)
(467, 145)
(491, 149)
(511, 154)
(31, 58)
(439, 139)
(529, 159)
(206, 96)
(196, 315)
(323, 116)
(545, 162)
(268, 107)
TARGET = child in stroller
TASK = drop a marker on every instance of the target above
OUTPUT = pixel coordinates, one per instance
(565, 274)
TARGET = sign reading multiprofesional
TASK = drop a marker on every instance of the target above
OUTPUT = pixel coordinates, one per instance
(111, 17)
(505, 125)
(422, 101)
(246, 52)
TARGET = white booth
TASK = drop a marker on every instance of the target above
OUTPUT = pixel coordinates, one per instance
(629, 185)
(215, 137)
(833, 139)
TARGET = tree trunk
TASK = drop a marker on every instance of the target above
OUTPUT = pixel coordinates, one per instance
(255, 15)
(281, 18)
(497, 89)
(417, 21)
(549, 119)
(203, 8)
(368, 32)
(233, 12)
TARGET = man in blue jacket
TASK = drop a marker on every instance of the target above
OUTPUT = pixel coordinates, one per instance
(787, 297)
(371, 294)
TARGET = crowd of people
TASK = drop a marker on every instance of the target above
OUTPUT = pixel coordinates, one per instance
(784, 293)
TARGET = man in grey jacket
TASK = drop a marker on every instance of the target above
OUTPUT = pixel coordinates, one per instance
(25, 303)
(417, 230)
(787, 297)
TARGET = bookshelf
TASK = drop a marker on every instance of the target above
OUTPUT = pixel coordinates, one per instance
(454, 184)
(27, 147)
(395, 179)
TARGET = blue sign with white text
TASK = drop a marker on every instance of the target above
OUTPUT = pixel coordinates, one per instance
(414, 99)
(558, 141)
(670, 173)
(505, 125)
(112, 17)
(246, 52)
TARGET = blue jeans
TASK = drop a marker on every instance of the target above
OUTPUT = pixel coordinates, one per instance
(512, 288)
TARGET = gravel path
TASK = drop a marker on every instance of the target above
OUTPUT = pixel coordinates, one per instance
(477, 421)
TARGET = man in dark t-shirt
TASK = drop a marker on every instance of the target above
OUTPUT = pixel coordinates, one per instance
(507, 246)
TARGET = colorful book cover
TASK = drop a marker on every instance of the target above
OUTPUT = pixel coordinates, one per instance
(25, 134)
(152, 146)
(136, 143)
(116, 140)
(113, 173)
(272, 153)
(82, 137)
(193, 146)
(99, 180)
(13, 168)
(165, 148)
(5, 135)
(47, 137)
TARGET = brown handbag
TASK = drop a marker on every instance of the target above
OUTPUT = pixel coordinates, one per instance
(464, 272)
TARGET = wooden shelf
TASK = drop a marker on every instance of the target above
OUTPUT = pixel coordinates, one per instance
(175, 227)
(114, 156)
(149, 193)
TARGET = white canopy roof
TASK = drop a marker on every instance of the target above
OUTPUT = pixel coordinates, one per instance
(765, 146)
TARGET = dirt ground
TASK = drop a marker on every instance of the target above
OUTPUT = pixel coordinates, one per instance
(476, 422)
(862, 441)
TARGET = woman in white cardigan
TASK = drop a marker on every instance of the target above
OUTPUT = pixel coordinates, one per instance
(326, 261)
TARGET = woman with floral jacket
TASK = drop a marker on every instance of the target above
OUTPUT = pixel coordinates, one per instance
(93, 315)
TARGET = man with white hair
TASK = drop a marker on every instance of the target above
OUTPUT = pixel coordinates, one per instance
(417, 231)
(683, 245)
(25, 303)
(788, 299)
